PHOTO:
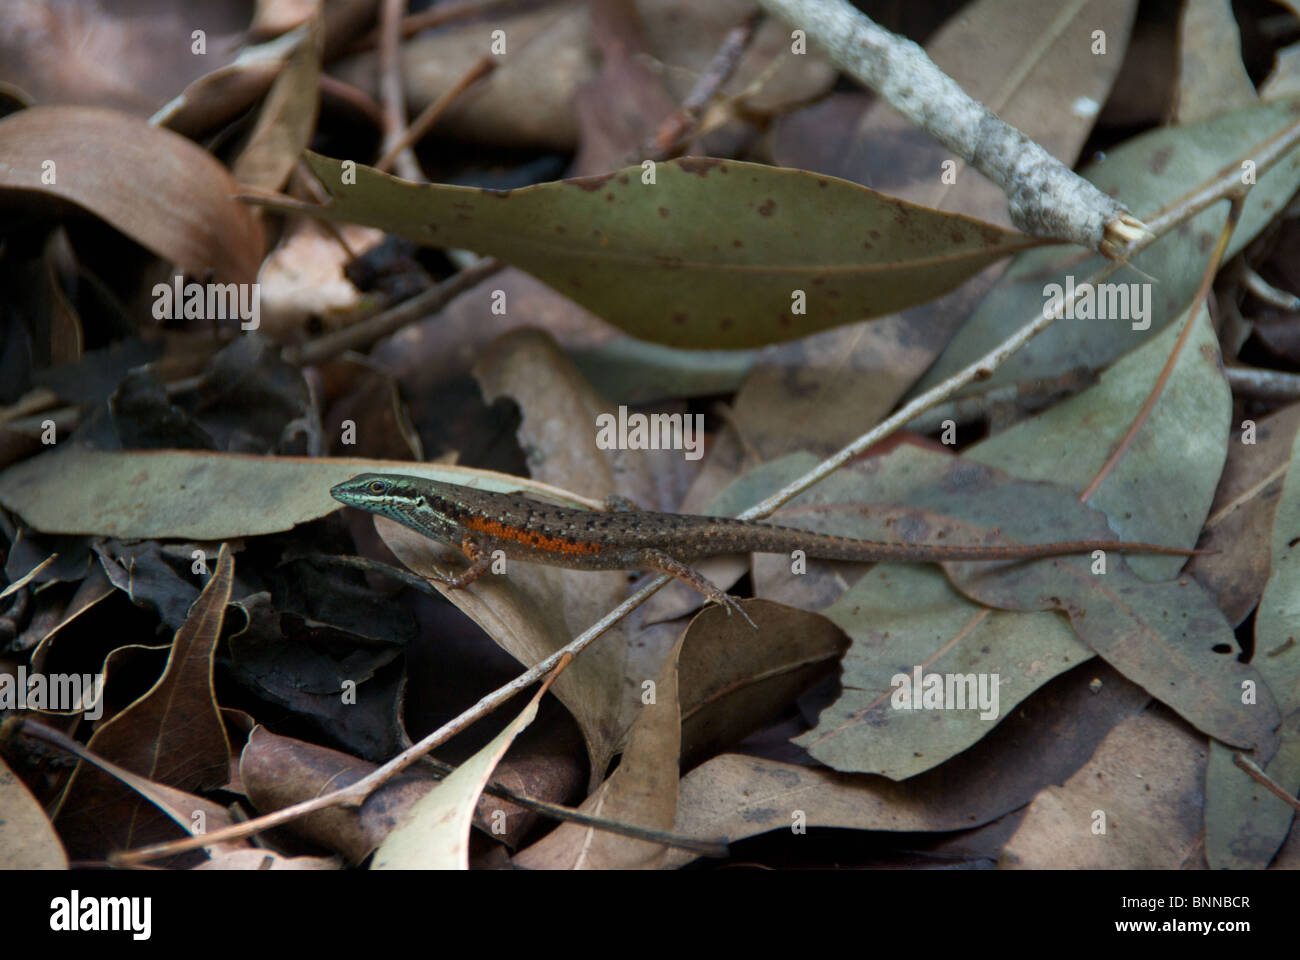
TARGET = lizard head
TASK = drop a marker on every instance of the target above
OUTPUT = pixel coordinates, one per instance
(411, 501)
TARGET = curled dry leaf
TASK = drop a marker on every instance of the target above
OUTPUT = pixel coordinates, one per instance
(158, 188)
(734, 681)
(173, 735)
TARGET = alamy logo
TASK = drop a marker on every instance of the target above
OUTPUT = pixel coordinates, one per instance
(209, 301)
(76, 912)
(55, 692)
(656, 431)
(1102, 301)
(946, 691)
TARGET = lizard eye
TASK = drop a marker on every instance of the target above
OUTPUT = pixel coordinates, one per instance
(377, 486)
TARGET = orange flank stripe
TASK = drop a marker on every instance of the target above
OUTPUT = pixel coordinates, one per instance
(539, 540)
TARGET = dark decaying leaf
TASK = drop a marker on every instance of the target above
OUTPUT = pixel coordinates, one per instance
(322, 674)
(98, 373)
(144, 573)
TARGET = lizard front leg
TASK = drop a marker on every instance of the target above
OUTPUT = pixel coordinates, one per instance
(664, 563)
(479, 562)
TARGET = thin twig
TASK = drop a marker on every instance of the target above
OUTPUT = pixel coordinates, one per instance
(678, 127)
(1224, 183)
(353, 96)
(450, 12)
(1045, 198)
(560, 812)
(361, 335)
(1263, 384)
(391, 95)
(1263, 779)
(1261, 289)
(429, 116)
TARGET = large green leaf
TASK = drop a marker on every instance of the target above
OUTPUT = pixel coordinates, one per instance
(709, 255)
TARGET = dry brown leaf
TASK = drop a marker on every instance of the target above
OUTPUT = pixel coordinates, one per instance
(1144, 787)
(287, 119)
(732, 796)
(641, 792)
(156, 187)
(278, 771)
(27, 838)
(734, 681)
(1241, 517)
(1211, 77)
(172, 735)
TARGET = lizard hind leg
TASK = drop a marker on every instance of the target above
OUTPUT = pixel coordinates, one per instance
(664, 563)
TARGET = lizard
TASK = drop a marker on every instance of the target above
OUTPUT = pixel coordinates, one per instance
(479, 522)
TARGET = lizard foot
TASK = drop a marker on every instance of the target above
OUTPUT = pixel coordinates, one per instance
(729, 603)
(658, 560)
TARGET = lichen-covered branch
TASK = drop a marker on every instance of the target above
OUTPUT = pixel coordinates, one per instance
(1044, 196)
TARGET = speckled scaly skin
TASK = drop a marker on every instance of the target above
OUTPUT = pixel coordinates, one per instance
(480, 522)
